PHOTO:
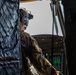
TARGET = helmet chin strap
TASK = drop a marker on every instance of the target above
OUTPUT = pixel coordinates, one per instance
(25, 26)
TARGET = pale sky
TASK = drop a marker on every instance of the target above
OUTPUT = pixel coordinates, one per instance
(42, 21)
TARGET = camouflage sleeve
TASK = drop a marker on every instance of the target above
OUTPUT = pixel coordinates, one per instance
(40, 62)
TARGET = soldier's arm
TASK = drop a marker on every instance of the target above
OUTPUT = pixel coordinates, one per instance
(40, 62)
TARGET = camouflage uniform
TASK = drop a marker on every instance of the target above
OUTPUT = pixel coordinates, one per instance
(31, 50)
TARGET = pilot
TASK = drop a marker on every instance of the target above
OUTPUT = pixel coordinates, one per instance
(31, 49)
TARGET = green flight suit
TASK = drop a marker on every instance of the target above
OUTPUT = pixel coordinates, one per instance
(31, 50)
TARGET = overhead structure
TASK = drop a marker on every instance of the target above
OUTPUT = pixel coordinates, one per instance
(28, 0)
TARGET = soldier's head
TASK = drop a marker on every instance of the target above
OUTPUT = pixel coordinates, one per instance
(24, 18)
